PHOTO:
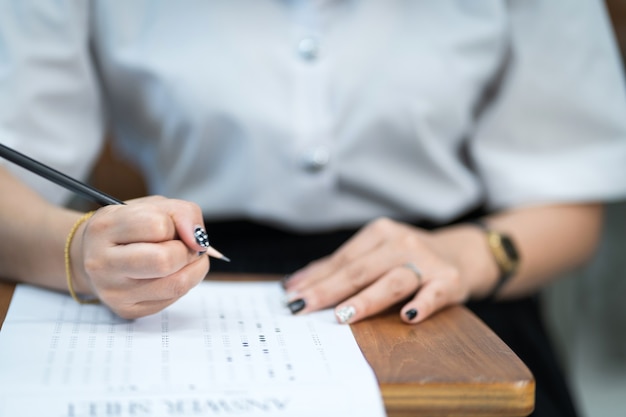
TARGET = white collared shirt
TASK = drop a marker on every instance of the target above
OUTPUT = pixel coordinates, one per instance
(322, 114)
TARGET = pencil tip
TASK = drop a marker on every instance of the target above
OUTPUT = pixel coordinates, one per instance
(211, 251)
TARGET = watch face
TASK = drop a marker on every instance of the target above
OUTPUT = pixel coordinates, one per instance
(509, 248)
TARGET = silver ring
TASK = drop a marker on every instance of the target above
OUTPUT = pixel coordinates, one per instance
(418, 273)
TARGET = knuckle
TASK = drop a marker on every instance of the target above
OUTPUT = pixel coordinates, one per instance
(357, 276)
(381, 225)
(411, 242)
(162, 262)
(179, 286)
(337, 260)
(194, 208)
(397, 287)
(150, 218)
(94, 265)
(451, 273)
(160, 226)
(153, 199)
(318, 263)
(97, 224)
(437, 295)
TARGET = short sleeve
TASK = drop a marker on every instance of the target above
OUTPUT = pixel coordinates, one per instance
(556, 128)
(50, 104)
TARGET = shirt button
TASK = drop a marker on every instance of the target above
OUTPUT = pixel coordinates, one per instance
(308, 49)
(316, 159)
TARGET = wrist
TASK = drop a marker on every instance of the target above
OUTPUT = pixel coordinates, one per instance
(77, 280)
(503, 252)
(468, 249)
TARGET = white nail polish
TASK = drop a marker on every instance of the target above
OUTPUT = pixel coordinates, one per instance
(201, 236)
(345, 313)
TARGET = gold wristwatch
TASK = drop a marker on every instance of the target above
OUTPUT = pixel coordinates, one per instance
(504, 252)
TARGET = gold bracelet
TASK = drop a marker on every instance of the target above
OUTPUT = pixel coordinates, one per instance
(68, 267)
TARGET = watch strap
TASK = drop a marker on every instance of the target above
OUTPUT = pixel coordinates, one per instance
(498, 243)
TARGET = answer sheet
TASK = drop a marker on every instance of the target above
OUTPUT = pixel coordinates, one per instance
(226, 348)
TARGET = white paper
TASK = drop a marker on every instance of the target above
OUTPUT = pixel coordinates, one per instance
(224, 349)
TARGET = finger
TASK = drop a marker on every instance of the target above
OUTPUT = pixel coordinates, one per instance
(132, 223)
(173, 286)
(152, 220)
(364, 241)
(143, 309)
(189, 224)
(348, 280)
(136, 298)
(144, 260)
(396, 285)
(443, 290)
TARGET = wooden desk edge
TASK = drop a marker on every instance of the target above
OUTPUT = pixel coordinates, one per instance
(455, 363)
(511, 400)
(6, 293)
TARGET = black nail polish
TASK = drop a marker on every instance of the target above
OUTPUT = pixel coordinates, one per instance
(201, 237)
(411, 314)
(296, 305)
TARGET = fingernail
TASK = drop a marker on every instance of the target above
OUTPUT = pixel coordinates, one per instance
(411, 314)
(201, 237)
(345, 313)
(297, 305)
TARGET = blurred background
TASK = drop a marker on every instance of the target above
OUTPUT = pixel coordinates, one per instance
(587, 312)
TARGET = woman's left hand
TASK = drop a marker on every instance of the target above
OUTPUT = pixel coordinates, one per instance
(388, 262)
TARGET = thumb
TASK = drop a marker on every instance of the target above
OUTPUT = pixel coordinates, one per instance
(189, 224)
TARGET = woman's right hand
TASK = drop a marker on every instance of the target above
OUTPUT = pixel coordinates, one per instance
(141, 257)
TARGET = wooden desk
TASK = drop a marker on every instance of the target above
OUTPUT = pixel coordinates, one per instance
(450, 365)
